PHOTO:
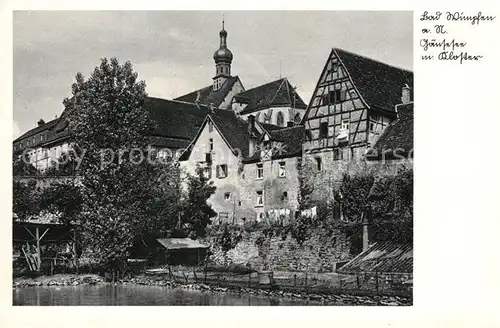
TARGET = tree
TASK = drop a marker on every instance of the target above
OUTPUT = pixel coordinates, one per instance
(196, 212)
(63, 198)
(121, 181)
(25, 199)
(21, 167)
(389, 199)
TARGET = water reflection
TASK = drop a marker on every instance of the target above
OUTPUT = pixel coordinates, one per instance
(107, 294)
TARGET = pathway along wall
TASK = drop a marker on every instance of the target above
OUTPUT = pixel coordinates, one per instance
(319, 253)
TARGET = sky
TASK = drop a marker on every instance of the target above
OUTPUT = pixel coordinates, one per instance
(172, 50)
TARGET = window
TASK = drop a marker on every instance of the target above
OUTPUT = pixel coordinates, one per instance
(281, 170)
(211, 144)
(323, 130)
(210, 126)
(338, 154)
(335, 96)
(208, 157)
(221, 171)
(335, 67)
(207, 172)
(227, 196)
(260, 171)
(372, 126)
(297, 118)
(41, 137)
(345, 124)
(284, 197)
(260, 198)
(325, 99)
(319, 164)
(280, 119)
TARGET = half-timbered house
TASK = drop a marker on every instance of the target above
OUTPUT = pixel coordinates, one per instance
(353, 103)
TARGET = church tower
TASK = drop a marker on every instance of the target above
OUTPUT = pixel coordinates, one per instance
(223, 58)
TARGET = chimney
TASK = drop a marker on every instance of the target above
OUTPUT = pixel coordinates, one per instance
(251, 124)
(405, 94)
(366, 224)
(211, 107)
(289, 124)
(41, 122)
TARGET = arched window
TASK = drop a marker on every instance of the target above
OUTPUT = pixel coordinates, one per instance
(297, 118)
(280, 120)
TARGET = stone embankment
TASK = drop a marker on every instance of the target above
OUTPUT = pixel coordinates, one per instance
(324, 299)
(57, 280)
(330, 299)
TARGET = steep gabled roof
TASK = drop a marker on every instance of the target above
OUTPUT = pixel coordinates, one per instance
(379, 84)
(398, 135)
(276, 93)
(207, 95)
(232, 128)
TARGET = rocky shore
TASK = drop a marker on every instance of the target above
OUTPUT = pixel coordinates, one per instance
(325, 299)
(57, 280)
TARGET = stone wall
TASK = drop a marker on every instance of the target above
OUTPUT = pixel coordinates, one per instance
(320, 253)
(328, 180)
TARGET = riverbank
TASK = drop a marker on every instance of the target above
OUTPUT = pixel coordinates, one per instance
(57, 280)
(324, 299)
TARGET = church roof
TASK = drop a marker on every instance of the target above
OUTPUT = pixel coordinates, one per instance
(379, 84)
(398, 135)
(277, 93)
(208, 95)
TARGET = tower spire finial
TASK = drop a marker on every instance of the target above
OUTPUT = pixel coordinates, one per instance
(222, 20)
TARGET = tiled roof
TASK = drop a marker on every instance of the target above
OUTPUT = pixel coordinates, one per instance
(47, 126)
(231, 127)
(380, 84)
(175, 119)
(384, 257)
(276, 93)
(399, 134)
(207, 95)
(291, 140)
(176, 123)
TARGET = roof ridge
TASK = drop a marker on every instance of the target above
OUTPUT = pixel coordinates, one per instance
(262, 85)
(178, 101)
(375, 60)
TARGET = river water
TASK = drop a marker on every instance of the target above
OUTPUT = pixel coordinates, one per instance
(108, 294)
